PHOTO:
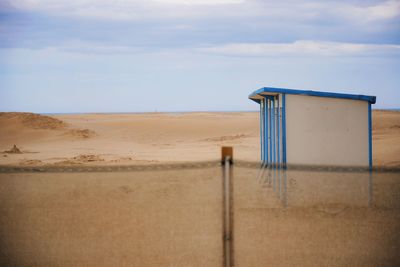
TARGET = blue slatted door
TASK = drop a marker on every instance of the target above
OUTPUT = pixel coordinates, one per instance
(271, 129)
(274, 133)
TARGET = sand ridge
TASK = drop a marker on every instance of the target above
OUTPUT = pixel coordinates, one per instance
(32, 120)
(80, 133)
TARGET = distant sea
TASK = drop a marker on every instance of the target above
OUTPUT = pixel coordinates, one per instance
(388, 109)
(146, 112)
(171, 112)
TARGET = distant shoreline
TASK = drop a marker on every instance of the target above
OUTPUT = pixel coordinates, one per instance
(176, 112)
(147, 112)
(160, 112)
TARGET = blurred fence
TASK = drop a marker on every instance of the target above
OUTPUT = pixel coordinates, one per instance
(173, 215)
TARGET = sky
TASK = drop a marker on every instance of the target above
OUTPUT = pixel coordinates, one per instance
(199, 55)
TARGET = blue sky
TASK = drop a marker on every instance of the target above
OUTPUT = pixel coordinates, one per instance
(178, 55)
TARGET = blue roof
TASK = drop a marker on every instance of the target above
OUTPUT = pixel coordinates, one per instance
(255, 96)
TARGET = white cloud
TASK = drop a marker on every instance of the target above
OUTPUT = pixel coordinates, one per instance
(103, 9)
(383, 11)
(200, 2)
(146, 10)
(126, 9)
(82, 47)
(102, 13)
(158, 9)
(301, 48)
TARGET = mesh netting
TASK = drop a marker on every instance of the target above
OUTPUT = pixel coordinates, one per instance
(172, 215)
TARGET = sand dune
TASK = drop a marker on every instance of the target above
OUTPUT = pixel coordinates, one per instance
(94, 139)
(31, 120)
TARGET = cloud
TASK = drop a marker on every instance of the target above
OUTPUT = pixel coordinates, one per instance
(159, 9)
(201, 2)
(382, 11)
(89, 48)
(301, 48)
(124, 9)
(236, 27)
(101, 9)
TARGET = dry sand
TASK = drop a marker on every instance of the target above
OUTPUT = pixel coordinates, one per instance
(386, 138)
(119, 139)
(175, 218)
(316, 219)
(150, 218)
(127, 138)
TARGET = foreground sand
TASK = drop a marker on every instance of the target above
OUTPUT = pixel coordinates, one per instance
(118, 139)
(175, 218)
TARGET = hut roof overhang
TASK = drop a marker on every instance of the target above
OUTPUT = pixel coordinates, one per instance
(271, 91)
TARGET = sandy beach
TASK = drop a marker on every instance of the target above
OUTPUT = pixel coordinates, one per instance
(120, 139)
(127, 138)
(174, 218)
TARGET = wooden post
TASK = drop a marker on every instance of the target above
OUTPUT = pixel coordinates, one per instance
(227, 160)
(226, 152)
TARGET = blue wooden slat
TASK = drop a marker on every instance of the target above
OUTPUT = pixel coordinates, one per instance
(370, 136)
(284, 128)
(264, 122)
(273, 132)
(278, 131)
(270, 129)
(261, 141)
(266, 130)
(261, 131)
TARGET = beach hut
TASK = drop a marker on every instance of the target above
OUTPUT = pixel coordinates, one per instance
(304, 127)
